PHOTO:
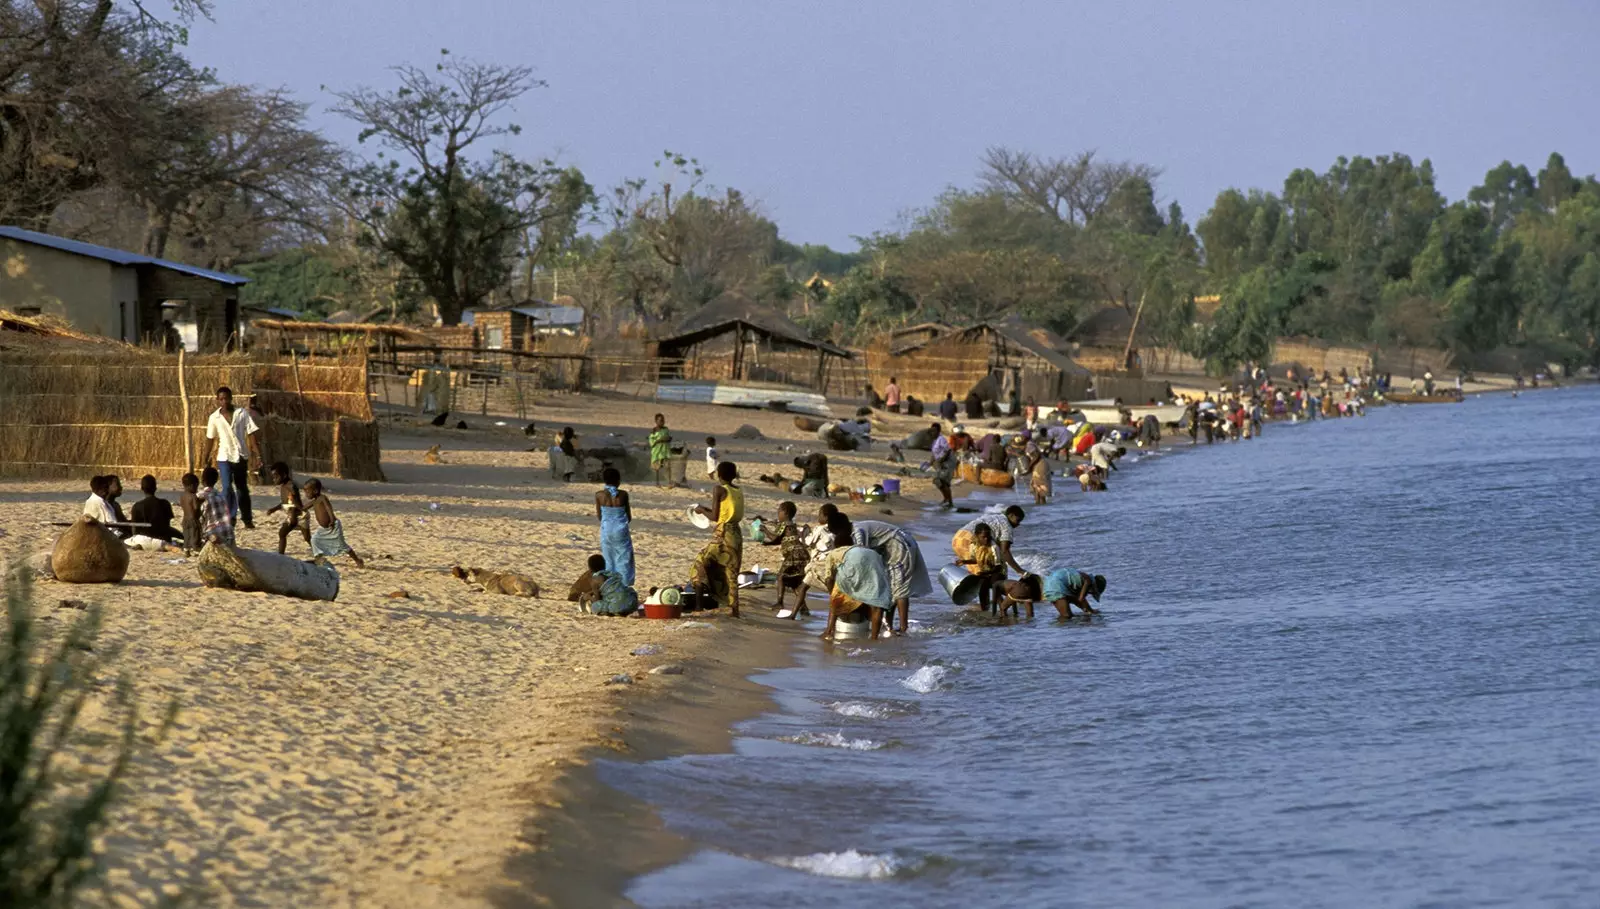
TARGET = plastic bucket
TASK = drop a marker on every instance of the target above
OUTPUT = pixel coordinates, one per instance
(891, 486)
(961, 584)
(850, 631)
(662, 611)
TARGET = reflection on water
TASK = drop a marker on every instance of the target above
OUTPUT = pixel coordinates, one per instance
(1354, 663)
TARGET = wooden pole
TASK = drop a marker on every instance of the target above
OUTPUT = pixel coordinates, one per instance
(1128, 348)
(188, 424)
(300, 399)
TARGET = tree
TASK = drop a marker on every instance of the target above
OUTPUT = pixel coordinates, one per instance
(82, 82)
(1069, 189)
(451, 220)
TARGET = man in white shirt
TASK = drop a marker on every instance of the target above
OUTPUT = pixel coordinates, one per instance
(1104, 455)
(231, 439)
(96, 506)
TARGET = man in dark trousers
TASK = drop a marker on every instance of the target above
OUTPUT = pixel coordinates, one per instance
(231, 438)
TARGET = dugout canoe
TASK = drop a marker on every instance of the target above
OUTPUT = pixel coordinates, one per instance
(1449, 397)
(743, 394)
(988, 476)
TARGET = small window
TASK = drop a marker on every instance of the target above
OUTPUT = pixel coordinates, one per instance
(495, 338)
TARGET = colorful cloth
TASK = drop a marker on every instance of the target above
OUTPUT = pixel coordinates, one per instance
(616, 538)
(1063, 584)
(902, 557)
(328, 542)
(616, 597)
(1043, 483)
(717, 566)
(982, 559)
(861, 575)
(215, 522)
(660, 447)
(731, 511)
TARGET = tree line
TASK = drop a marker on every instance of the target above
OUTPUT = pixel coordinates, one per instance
(109, 133)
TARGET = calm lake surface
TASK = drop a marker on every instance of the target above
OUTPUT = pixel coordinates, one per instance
(1353, 663)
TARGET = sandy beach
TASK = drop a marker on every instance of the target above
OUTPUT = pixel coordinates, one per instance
(426, 749)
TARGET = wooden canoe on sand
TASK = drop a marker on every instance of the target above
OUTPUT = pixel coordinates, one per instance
(988, 476)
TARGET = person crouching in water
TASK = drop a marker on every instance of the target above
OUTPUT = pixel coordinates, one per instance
(1062, 587)
(607, 593)
(860, 582)
(327, 533)
(982, 562)
(716, 569)
(294, 510)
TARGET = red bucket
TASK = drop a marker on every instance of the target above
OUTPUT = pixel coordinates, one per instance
(663, 611)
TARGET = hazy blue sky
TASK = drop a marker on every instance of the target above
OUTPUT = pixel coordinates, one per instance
(839, 116)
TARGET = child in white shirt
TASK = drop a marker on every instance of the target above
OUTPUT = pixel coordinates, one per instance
(711, 457)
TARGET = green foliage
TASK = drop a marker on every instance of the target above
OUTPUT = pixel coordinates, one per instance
(49, 818)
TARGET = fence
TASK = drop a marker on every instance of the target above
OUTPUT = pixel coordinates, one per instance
(132, 411)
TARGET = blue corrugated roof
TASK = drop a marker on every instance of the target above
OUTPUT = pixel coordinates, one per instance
(115, 256)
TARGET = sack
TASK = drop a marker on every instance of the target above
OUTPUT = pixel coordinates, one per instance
(88, 553)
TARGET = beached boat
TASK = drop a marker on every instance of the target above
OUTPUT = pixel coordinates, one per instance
(1106, 411)
(744, 394)
(987, 476)
(1443, 397)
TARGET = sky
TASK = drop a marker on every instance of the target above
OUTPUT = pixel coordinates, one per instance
(841, 117)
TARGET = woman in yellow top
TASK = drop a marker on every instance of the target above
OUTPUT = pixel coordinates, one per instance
(716, 569)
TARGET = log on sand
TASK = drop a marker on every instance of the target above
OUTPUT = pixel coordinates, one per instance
(230, 567)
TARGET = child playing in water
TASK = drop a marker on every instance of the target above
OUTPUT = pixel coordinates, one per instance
(294, 512)
(327, 537)
(190, 503)
(982, 562)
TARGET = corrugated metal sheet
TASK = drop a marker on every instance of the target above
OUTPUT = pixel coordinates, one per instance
(115, 256)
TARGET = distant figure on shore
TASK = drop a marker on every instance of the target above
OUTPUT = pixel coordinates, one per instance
(1062, 587)
(171, 340)
(891, 395)
(606, 593)
(1427, 383)
(814, 475)
(564, 455)
(1041, 482)
(292, 506)
(716, 569)
(189, 504)
(215, 522)
(712, 459)
(612, 507)
(974, 405)
(155, 511)
(944, 473)
(1000, 526)
(792, 547)
(231, 440)
(327, 532)
(948, 410)
(661, 451)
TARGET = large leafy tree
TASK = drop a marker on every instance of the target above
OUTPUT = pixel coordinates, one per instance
(450, 214)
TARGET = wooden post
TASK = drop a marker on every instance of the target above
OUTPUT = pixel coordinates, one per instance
(188, 422)
(1128, 348)
(300, 403)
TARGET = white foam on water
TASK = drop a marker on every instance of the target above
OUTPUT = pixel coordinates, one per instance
(1035, 563)
(927, 679)
(861, 866)
(854, 708)
(831, 740)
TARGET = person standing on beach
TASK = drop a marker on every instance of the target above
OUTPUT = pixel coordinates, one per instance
(891, 395)
(661, 451)
(1001, 527)
(327, 532)
(231, 439)
(716, 569)
(612, 507)
(791, 576)
(948, 408)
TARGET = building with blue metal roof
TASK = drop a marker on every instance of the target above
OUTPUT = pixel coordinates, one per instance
(116, 293)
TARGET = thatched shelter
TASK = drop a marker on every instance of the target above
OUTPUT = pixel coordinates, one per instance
(735, 338)
(72, 406)
(989, 357)
(285, 335)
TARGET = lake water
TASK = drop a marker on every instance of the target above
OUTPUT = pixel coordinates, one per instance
(1353, 663)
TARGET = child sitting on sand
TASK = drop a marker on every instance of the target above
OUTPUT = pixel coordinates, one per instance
(606, 592)
(215, 523)
(982, 562)
(294, 512)
(327, 536)
(189, 502)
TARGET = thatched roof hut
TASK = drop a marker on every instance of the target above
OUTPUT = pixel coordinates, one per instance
(736, 338)
(989, 357)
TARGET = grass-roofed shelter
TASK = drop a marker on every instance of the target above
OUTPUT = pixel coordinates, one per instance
(734, 338)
